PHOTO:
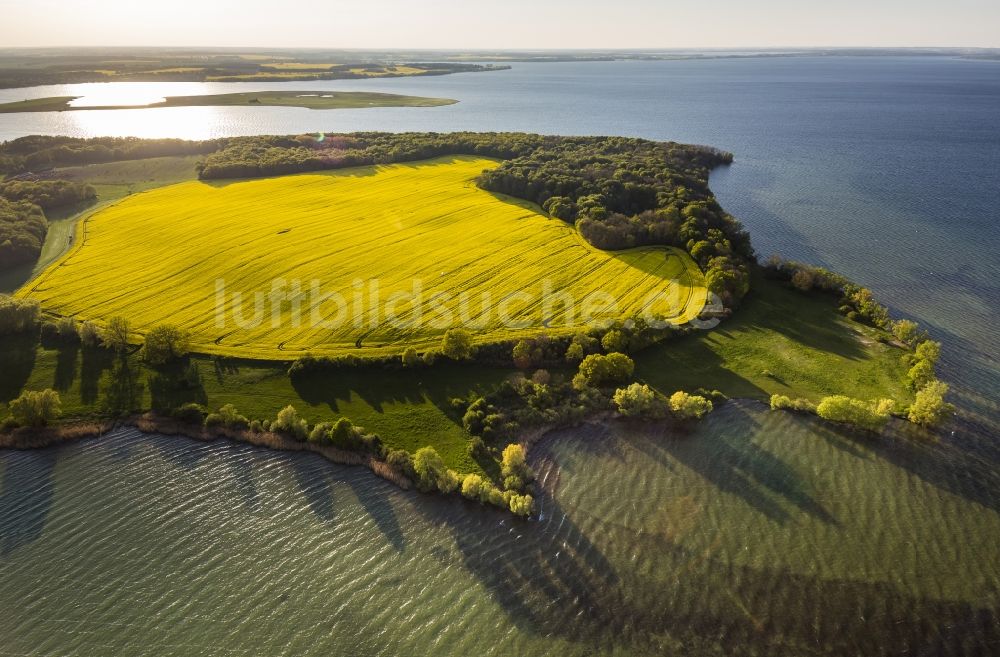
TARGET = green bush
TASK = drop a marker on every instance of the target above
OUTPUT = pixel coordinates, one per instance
(782, 402)
(189, 413)
(289, 423)
(597, 370)
(410, 357)
(402, 462)
(522, 505)
(870, 415)
(689, 407)
(929, 408)
(36, 408)
(18, 315)
(639, 400)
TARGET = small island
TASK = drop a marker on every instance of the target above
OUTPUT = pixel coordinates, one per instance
(317, 100)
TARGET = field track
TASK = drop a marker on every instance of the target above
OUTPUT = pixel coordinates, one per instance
(426, 228)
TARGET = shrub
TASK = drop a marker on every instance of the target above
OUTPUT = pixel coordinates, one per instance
(164, 343)
(66, 330)
(472, 486)
(782, 402)
(256, 426)
(929, 408)
(597, 370)
(514, 467)
(522, 505)
(320, 433)
(429, 469)
(36, 408)
(402, 462)
(639, 400)
(288, 422)
(457, 344)
(490, 494)
(410, 357)
(803, 280)
(906, 331)
(477, 448)
(189, 413)
(689, 407)
(614, 340)
(870, 415)
(227, 416)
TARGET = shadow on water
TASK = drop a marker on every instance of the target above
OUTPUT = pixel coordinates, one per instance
(942, 463)
(313, 477)
(734, 464)
(553, 578)
(25, 497)
(378, 504)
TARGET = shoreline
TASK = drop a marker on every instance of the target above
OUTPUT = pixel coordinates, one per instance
(151, 425)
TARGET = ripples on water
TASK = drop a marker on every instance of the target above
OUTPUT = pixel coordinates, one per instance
(757, 533)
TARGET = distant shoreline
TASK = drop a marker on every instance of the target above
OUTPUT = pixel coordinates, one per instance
(317, 100)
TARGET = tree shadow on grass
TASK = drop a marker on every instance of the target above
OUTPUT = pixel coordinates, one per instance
(94, 361)
(17, 360)
(378, 387)
(688, 363)
(810, 319)
(176, 383)
(26, 496)
(67, 358)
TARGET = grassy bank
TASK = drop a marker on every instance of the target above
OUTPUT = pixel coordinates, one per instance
(781, 341)
(318, 100)
(409, 409)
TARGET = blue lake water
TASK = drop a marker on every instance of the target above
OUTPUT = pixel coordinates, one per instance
(760, 533)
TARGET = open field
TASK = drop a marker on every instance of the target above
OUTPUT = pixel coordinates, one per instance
(112, 180)
(307, 99)
(27, 68)
(421, 230)
(781, 341)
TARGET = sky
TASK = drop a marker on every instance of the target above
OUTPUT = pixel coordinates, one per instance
(502, 24)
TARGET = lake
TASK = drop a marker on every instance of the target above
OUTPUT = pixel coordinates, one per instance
(757, 533)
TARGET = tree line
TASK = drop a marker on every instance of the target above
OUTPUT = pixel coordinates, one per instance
(620, 192)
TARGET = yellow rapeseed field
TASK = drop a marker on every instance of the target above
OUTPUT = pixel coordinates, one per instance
(364, 260)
